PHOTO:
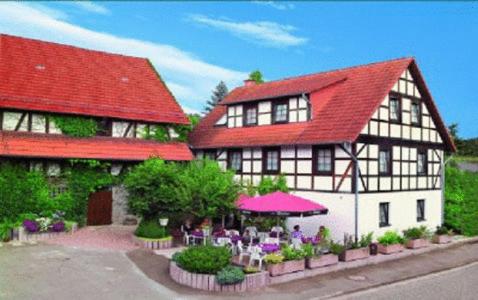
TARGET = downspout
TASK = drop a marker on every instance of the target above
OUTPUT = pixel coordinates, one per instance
(356, 179)
(443, 188)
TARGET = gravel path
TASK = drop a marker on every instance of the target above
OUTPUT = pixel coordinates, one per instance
(112, 237)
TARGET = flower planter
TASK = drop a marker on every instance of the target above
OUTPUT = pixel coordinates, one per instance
(441, 239)
(417, 243)
(321, 261)
(208, 282)
(155, 244)
(390, 249)
(22, 235)
(286, 267)
(354, 254)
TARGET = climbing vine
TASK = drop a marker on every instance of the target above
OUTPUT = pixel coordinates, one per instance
(76, 126)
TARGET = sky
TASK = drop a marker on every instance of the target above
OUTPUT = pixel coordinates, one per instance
(194, 45)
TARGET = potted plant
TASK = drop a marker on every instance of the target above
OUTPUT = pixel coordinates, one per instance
(390, 242)
(416, 237)
(356, 250)
(316, 259)
(442, 235)
(290, 260)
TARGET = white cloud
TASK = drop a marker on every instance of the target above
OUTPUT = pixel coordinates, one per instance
(264, 33)
(276, 5)
(92, 7)
(190, 78)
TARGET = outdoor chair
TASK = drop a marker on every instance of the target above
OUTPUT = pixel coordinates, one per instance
(256, 255)
(222, 241)
(243, 251)
(270, 240)
(252, 230)
(296, 243)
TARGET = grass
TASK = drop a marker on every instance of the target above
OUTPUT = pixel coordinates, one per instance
(465, 158)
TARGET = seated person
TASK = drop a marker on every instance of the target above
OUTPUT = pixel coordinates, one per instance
(219, 232)
(246, 237)
(320, 234)
(297, 234)
(187, 227)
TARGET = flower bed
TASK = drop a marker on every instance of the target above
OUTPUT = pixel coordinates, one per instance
(321, 261)
(26, 232)
(354, 254)
(155, 244)
(208, 282)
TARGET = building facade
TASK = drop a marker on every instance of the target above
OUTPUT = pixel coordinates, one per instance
(367, 142)
(40, 82)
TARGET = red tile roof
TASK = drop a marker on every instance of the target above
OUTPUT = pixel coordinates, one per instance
(44, 76)
(34, 145)
(342, 101)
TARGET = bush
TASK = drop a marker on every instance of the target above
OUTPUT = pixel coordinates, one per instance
(290, 253)
(151, 230)
(442, 230)
(204, 259)
(268, 185)
(390, 238)
(336, 248)
(365, 240)
(415, 233)
(230, 275)
(273, 258)
(309, 250)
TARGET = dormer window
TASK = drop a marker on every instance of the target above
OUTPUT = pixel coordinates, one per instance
(250, 114)
(280, 112)
(394, 109)
(222, 121)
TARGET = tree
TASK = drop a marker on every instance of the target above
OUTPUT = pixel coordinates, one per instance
(155, 189)
(269, 185)
(256, 76)
(211, 191)
(219, 93)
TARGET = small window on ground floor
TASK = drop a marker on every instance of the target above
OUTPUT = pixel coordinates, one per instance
(234, 160)
(384, 214)
(420, 210)
(210, 154)
(271, 160)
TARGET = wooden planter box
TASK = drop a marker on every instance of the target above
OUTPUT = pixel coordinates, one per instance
(442, 239)
(417, 243)
(208, 282)
(155, 244)
(321, 261)
(389, 249)
(354, 254)
(286, 267)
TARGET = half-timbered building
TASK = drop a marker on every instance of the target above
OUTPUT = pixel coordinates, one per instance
(366, 141)
(124, 95)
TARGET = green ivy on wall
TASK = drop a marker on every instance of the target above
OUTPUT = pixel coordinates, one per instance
(76, 126)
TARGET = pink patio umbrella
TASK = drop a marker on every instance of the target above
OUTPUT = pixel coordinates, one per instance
(279, 204)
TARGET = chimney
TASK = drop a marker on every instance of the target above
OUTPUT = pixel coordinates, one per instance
(249, 82)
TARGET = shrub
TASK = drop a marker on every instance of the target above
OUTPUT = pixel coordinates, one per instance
(390, 238)
(230, 275)
(290, 253)
(5, 229)
(268, 185)
(273, 258)
(150, 229)
(366, 240)
(441, 230)
(416, 233)
(69, 225)
(251, 269)
(309, 250)
(336, 248)
(204, 259)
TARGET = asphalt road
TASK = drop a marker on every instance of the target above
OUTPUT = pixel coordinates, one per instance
(455, 284)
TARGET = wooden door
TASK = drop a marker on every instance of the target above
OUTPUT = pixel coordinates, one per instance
(100, 206)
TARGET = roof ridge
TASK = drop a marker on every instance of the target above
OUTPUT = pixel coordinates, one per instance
(68, 46)
(335, 70)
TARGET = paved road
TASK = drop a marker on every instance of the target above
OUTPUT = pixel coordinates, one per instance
(456, 284)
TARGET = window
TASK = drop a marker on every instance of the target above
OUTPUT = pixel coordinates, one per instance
(384, 162)
(222, 121)
(210, 154)
(422, 163)
(234, 160)
(394, 109)
(383, 214)
(250, 115)
(271, 160)
(420, 210)
(280, 112)
(323, 160)
(415, 117)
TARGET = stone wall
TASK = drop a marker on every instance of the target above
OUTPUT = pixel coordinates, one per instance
(120, 206)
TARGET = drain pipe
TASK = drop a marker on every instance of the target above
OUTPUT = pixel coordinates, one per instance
(443, 188)
(356, 179)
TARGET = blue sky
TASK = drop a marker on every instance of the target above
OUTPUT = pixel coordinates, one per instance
(194, 45)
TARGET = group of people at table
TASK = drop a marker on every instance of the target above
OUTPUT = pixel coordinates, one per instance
(268, 241)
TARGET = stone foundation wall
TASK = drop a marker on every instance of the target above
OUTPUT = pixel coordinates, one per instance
(120, 206)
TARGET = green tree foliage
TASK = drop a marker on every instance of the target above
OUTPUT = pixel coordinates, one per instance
(76, 126)
(465, 147)
(23, 191)
(461, 205)
(256, 76)
(269, 185)
(219, 93)
(211, 191)
(154, 188)
(184, 130)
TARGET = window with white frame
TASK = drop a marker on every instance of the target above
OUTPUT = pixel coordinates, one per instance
(422, 163)
(415, 113)
(250, 115)
(384, 214)
(234, 159)
(394, 109)
(271, 163)
(420, 210)
(384, 162)
(324, 160)
(280, 112)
